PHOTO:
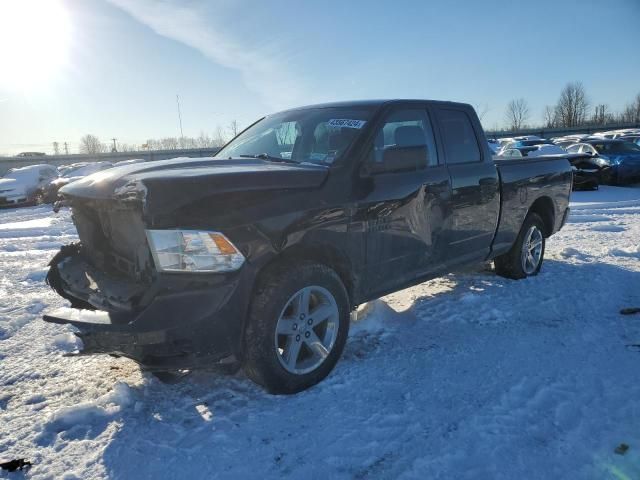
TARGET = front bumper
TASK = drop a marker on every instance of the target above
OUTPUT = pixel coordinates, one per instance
(586, 178)
(176, 321)
(13, 201)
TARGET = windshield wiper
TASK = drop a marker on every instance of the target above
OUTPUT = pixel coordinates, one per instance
(271, 158)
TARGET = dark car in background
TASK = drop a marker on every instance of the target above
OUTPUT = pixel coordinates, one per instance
(621, 157)
(631, 138)
(588, 172)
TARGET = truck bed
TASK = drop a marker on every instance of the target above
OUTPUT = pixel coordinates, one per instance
(522, 182)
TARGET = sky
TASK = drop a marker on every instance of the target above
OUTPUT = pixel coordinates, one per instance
(113, 68)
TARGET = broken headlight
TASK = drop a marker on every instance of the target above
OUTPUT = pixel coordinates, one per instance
(193, 251)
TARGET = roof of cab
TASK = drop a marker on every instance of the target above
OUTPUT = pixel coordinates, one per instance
(373, 103)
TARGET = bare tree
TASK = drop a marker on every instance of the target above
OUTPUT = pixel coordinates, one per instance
(602, 115)
(550, 117)
(168, 143)
(204, 140)
(573, 106)
(517, 113)
(233, 128)
(481, 110)
(128, 147)
(91, 145)
(631, 112)
(56, 148)
(220, 138)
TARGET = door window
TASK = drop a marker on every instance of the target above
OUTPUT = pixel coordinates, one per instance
(404, 142)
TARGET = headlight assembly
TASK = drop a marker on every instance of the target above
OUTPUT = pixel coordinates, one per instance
(193, 251)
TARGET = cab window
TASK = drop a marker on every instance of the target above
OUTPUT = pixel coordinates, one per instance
(460, 142)
(403, 142)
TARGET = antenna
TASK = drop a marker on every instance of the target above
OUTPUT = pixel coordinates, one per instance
(179, 116)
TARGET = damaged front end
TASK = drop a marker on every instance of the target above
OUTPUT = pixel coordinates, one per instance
(122, 305)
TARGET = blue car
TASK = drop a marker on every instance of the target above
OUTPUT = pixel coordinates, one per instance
(622, 158)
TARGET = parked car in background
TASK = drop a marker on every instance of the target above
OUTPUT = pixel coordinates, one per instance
(588, 172)
(546, 149)
(24, 186)
(617, 134)
(622, 158)
(525, 142)
(128, 162)
(568, 140)
(631, 138)
(71, 173)
(494, 145)
(564, 143)
(31, 154)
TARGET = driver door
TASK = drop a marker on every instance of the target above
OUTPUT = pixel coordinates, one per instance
(406, 202)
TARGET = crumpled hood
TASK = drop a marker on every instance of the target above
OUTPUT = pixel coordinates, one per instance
(172, 183)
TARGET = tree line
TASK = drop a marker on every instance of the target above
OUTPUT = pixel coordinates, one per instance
(573, 109)
(91, 144)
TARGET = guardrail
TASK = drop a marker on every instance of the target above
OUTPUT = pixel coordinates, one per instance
(7, 163)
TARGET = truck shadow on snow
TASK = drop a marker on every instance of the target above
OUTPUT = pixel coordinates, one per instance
(206, 425)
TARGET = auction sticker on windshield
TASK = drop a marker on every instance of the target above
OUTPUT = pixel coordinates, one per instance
(346, 122)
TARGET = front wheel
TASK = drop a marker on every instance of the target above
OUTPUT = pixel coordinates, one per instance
(297, 327)
(525, 257)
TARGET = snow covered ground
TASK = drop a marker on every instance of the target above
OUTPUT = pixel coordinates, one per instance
(467, 376)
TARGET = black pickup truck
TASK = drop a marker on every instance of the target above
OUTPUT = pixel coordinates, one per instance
(259, 255)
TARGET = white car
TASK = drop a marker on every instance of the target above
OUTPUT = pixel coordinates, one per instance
(25, 185)
(71, 173)
(546, 149)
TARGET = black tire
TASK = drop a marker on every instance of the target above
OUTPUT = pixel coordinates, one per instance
(273, 293)
(510, 264)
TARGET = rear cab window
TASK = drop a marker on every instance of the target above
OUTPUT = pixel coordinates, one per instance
(458, 136)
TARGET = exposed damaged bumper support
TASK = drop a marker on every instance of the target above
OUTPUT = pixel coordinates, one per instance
(104, 332)
(177, 321)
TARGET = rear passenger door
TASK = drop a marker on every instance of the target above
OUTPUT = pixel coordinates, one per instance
(475, 200)
(406, 195)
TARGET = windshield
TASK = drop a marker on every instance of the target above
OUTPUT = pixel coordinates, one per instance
(616, 147)
(313, 135)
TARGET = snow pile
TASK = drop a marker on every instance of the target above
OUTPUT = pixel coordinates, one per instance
(104, 407)
(467, 376)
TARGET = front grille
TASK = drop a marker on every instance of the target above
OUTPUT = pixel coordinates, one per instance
(113, 238)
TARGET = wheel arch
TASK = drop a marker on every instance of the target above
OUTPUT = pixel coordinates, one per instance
(545, 207)
(315, 252)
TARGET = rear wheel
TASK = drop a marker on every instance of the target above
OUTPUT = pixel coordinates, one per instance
(526, 256)
(297, 327)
